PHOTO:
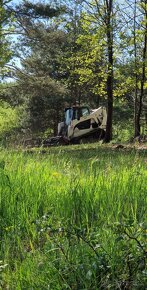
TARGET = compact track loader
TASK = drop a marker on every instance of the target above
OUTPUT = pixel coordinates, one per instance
(80, 125)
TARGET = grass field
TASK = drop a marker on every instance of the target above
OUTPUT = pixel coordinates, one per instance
(73, 218)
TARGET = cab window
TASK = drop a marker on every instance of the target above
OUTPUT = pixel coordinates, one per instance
(84, 111)
(68, 116)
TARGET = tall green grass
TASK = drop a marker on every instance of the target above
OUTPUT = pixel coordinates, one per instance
(73, 218)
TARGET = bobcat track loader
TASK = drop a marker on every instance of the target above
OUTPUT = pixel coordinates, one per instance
(80, 125)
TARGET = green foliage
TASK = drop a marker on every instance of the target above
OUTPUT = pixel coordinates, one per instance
(88, 57)
(12, 120)
(28, 9)
(39, 80)
(63, 58)
(5, 29)
(73, 218)
(8, 117)
(122, 121)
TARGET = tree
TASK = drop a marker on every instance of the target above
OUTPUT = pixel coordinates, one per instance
(102, 13)
(40, 76)
(136, 49)
(87, 62)
(109, 33)
(73, 28)
(143, 6)
(6, 19)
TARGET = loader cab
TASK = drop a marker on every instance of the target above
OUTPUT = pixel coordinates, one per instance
(75, 113)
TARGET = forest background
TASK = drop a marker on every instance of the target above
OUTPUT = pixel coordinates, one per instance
(73, 217)
(57, 53)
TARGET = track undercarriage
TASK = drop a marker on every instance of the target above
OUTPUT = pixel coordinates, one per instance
(62, 140)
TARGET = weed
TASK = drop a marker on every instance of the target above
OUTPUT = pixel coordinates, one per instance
(73, 218)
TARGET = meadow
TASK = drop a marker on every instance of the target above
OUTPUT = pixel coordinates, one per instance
(73, 218)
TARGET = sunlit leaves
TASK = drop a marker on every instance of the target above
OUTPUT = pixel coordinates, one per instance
(6, 28)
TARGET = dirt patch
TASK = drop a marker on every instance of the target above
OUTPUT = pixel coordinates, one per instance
(130, 147)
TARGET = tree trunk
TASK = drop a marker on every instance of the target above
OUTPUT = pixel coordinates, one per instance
(109, 25)
(138, 132)
(136, 76)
